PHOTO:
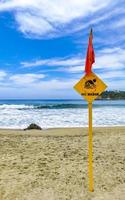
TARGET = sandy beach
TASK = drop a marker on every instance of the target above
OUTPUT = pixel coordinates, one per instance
(53, 165)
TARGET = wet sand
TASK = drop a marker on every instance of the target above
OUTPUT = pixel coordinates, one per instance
(53, 164)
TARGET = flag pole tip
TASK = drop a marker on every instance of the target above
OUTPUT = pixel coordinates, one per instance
(91, 30)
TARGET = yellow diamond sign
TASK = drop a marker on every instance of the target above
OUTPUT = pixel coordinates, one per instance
(90, 87)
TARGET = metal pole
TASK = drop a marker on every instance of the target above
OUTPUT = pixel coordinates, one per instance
(90, 156)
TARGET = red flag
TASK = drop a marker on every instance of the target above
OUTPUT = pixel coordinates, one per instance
(90, 57)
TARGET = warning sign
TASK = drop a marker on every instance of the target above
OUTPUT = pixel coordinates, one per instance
(90, 87)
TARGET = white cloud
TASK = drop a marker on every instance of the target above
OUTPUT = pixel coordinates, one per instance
(54, 62)
(108, 58)
(26, 78)
(116, 85)
(50, 89)
(35, 63)
(110, 65)
(56, 84)
(34, 85)
(28, 24)
(120, 23)
(76, 69)
(113, 75)
(14, 4)
(45, 89)
(3, 74)
(35, 82)
(30, 88)
(35, 18)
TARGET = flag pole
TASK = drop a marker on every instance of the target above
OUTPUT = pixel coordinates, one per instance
(90, 153)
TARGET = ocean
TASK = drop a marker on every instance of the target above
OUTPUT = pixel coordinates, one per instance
(18, 114)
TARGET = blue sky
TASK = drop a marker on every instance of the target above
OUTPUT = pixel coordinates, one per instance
(43, 46)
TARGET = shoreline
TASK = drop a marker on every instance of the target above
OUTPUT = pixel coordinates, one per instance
(61, 132)
(75, 127)
(54, 128)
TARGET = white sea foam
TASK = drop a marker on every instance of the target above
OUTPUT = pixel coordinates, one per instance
(14, 106)
(16, 116)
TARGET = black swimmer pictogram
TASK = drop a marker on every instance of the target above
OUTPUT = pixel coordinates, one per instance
(90, 84)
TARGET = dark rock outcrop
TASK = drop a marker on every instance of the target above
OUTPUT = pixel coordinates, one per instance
(33, 126)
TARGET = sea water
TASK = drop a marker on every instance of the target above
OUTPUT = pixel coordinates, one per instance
(60, 113)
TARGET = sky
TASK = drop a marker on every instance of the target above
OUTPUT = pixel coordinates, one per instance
(43, 46)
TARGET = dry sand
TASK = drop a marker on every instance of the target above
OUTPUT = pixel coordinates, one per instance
(52, 164)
